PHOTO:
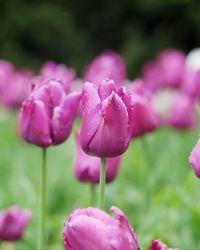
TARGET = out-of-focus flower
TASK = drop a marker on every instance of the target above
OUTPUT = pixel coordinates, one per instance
(17, 88)
(107, 65)
(193, 59)
(87, 168)
(194, 159)
(58, 72)
(145, 119)
(13, 222)
(191, 83)
(92, 228)
(158, 245)
(106, 119)
(47, 115)
(182, 112)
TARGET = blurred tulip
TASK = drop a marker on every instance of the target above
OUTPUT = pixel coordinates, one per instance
(145, 118)
(107, 65)
(193, 59)
(158, 245)
(191, 83)
(13, 222)
(106, 120)
(93, 229)
(47, 115)
(194, 159)
(87, 168)
(182, 112)
(58, 72)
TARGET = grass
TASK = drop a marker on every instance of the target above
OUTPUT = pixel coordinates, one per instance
(155, 187)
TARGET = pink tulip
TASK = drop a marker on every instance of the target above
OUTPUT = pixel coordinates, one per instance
(194, 159)
(87, 168)
(47, 115)
(107, 65)
(182, 112)
(106, 119)
(158, 245)
(92, 228)
(58, 72)
(145, 118)
(13, 222)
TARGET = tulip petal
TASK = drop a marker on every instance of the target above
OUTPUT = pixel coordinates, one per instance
(34, 123)
(63, 118)
(91, 116)
(106, 87)
(194, 159)
(110, 139)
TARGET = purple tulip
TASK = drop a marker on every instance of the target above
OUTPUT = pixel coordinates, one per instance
(47, 115)
(58, 72)
(107, 65)
(106, 119)
(145, 118)
(13, 222)
(182, 112)
(92, 228)
(87, 168)
(158, 245)
(194, 159)
(17, 88)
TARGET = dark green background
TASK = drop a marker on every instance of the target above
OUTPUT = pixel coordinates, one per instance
(73, 32)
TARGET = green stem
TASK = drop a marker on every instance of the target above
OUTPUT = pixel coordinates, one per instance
(102, 184)
(42, 227)
(92, 194)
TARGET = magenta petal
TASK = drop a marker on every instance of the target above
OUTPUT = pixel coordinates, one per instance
(91, 116)
(110, 139)
(35, 124)
(194, 159)
(105, 88)
(63, 118)
(158, 245)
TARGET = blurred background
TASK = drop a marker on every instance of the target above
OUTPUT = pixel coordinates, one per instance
(73, 32)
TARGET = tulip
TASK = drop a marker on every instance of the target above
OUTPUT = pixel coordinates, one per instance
(106, 119)
(58, 72)
(182, 112)
(48, 106)
(193, 59)
(91, 228)
(194, 159)
(158, 245)
(13, 222)
(87, 168)
(145, 118)
(107, 65)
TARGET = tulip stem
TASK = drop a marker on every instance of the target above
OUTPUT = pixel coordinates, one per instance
(102, 184)
(92, 194)
(42, 231)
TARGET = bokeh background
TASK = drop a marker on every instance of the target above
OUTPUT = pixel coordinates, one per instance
(73, 32)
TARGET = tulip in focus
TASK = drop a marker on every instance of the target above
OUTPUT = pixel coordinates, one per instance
(182, 112)
(106, 119)
(87, 168)
(92, 228)
(58, 72)
(13, 222)
(194, 159)
(145, 118)
(158, 245)
(47, 115)
(107, 65)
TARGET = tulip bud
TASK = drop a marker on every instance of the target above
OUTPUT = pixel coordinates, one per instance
(106, 120)
(182, 112)
(194, 159)
(13, 223)
(158, 245)
(58, 72)
(107, 65)
(87, 168)
(92, 228)
(47, 115)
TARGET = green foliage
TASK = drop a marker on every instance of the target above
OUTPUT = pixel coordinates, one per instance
(155, 187)
(75, 31)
